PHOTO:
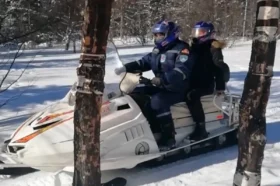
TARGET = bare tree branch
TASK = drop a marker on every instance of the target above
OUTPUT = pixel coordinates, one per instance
(22, 72)
(10, 67)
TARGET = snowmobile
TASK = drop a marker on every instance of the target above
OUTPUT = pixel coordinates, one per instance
(127, 137)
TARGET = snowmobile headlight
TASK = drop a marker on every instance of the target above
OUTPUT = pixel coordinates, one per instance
(14, 149)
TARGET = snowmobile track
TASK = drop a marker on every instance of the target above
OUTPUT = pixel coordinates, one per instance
(152, 166)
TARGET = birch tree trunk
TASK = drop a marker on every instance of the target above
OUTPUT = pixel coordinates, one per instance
(244, 20)
(90, 88)
(252, 131)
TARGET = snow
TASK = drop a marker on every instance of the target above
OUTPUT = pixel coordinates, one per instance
(52, 72)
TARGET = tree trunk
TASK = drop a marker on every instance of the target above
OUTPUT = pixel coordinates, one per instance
(67, 43)
(252, 130)
(244, 20)
(122, 23)
(74, 46)
(90, 88)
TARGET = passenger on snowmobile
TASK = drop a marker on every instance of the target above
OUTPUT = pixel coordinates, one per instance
(171, 67)
(209, 73)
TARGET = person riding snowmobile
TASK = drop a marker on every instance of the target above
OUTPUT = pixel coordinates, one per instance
(171, 67)
(209, 73)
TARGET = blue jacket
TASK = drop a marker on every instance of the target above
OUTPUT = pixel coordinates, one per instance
(171, 64)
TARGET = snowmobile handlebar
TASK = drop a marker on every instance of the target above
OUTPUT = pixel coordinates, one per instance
(145, 81)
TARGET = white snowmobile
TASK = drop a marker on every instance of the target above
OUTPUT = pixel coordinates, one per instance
(45, 140)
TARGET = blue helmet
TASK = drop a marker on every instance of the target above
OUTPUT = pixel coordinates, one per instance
(203, 31)
(169, 32)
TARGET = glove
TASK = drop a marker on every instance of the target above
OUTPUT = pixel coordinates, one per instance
(156, 81)
(120, 70)
(220, 92)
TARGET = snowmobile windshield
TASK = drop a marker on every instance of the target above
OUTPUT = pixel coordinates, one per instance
(113, 60)
(111, 80)
(72, 94)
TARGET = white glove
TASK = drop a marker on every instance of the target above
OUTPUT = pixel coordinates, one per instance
(120, 70)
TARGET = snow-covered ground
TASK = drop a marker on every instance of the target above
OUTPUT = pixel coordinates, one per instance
(52, 72)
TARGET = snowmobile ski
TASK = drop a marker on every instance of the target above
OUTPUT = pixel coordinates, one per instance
(119, 181)
(15, 169)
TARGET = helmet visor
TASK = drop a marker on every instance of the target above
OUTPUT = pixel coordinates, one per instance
(160, 28)
(199, 32)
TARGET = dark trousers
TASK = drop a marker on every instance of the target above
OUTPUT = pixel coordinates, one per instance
(195, 105)
(161, 101)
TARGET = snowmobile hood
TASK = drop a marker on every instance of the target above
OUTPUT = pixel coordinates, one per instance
(38, 123)
(55, 115)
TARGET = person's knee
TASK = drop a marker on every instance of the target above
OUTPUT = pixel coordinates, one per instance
(191, 95)
(156, 102)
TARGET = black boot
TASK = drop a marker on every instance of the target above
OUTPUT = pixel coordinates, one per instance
(167, 141)
(200, 132)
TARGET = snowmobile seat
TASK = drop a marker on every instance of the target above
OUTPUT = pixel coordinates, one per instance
(182, 117)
